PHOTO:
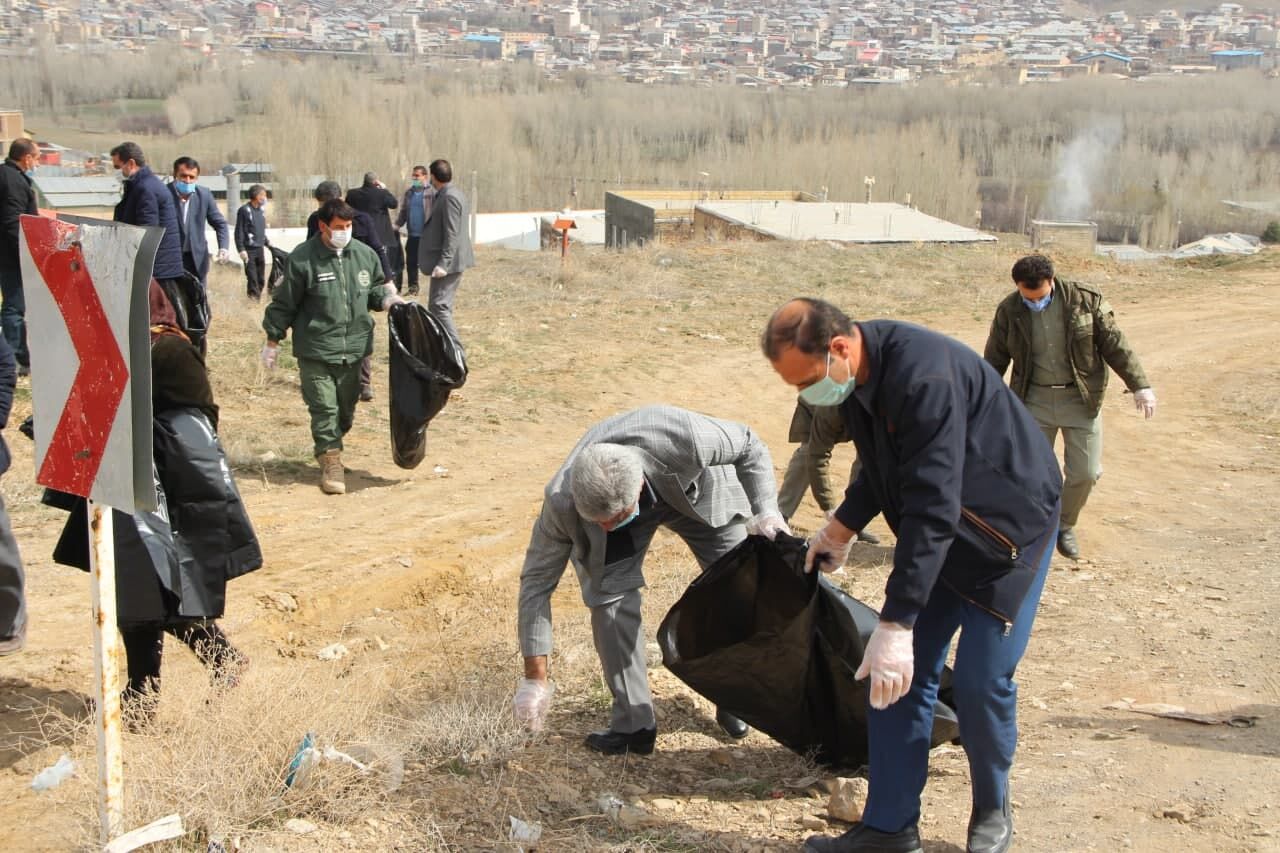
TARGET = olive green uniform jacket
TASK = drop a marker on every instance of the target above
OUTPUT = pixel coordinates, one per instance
(1094, 342)
(326, 298)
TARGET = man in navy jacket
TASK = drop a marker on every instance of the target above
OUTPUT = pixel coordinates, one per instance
(147, 201)
(13, 603)
(195, 206)
(971, 489)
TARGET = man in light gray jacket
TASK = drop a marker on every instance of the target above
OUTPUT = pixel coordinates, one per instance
(658, 466)
(445, 249)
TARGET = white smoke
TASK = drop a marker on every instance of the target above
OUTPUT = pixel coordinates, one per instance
(1079, 169)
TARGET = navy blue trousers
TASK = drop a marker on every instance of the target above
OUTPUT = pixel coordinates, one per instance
(986, 699)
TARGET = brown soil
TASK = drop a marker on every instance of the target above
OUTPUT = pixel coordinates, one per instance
(416, 573)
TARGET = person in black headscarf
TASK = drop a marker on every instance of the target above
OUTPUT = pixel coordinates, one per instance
(172, 566)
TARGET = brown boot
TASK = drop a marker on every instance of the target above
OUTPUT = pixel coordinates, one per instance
(332, 478)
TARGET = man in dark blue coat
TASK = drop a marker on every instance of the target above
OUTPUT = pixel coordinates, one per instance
(17, 198)
(194, 206)
(13, 602)
(147, 201)
(971, 489)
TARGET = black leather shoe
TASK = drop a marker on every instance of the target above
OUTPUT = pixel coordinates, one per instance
(732, 726)
(863, 839)
(868, 537)
(1067, 544)
(617, 743)
(991, 830)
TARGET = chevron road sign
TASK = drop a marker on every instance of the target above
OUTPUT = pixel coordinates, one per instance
(87, 321)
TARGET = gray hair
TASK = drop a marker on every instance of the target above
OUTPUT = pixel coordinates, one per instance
(606, 480)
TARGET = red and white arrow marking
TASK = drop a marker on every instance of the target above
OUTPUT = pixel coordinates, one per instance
(79, 440)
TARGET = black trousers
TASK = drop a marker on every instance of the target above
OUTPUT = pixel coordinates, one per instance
(144, 648)
(411, 262)
(255, 272)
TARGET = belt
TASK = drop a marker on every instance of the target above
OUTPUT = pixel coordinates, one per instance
(1067, 385)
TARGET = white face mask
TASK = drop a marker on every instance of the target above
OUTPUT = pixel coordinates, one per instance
(340, 239)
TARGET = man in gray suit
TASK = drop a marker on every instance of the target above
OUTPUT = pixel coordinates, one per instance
(445, 248)
(658, 466)
(195, 207)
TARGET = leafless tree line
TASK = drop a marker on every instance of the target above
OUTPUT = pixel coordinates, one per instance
(1169, 150)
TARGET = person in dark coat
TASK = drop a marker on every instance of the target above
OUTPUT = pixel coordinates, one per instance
(147, 201)
(251, 240)
(195, 207)
(373, 198)
(17, 197)
(970, 487)
(415, 210)
(364, 230)
(13, 602)
(172, 568)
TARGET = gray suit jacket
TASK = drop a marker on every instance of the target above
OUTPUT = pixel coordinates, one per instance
(714, 471)
(201, 209)
(446, 238)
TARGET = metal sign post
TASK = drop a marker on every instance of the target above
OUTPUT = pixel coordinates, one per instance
(106, 671)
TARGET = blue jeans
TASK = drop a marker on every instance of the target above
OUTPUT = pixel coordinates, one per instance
(13, 312)
(985, 697)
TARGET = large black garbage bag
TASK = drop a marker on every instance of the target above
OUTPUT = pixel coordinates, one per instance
(190, 307)
(279, 258)
(427, 363)
(778, 649)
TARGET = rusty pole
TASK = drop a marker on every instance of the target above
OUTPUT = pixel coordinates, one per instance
(106, 666)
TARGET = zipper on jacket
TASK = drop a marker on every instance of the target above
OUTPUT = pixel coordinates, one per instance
(999, 537)
(1008, 626)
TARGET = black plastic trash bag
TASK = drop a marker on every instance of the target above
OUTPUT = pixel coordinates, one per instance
(190, 307)
(427, 363)
(778, 648)
(279, 258)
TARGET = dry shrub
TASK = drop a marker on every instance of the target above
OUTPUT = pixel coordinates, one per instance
(219, 757)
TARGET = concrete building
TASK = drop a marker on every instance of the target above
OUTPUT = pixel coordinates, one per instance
(635, 217)
(1071, 236)
(842, 222)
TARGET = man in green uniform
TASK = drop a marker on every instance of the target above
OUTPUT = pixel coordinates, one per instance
(330, 286)
(1061, 336)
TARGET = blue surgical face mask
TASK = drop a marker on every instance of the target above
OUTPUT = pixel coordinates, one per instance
(1038, 305)
(417, 183)
(30, 173)
(184, 187)
(630, 518)
(828, 392)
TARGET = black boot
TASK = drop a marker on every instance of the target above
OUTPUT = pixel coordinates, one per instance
(732, 726)
(616, 743)
(1067, 544)
(864, 839)
(991, 830)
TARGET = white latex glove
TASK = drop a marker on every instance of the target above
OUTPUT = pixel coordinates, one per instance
(889, 660)
(223, 256)
(768, 525)
(438, 272)
(829, 548)
(269, 355)
(393, 298)
(533, 700)
(244, 257)
(1144, 399)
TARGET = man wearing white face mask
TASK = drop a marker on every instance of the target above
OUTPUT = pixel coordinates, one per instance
(1061, 336)
(970, 487)
(330, 286)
